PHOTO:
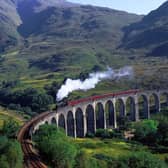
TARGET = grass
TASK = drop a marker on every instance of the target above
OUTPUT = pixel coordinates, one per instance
(162, 156)
(148, 72)
(108, 147)
(6, 114)
(70, 46)
(114, 148)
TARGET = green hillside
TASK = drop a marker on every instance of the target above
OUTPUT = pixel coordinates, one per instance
(150, 34)
(9, 20)
(61, 40)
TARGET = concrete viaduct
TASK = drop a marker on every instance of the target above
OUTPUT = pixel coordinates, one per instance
(86, 115)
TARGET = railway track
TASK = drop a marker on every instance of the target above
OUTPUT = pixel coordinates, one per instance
(31, 156)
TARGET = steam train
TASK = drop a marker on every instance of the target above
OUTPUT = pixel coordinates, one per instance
(65, 101)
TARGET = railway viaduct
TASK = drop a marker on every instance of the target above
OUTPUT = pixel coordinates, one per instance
(86, 115)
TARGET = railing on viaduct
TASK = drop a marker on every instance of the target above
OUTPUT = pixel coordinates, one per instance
(86, 115)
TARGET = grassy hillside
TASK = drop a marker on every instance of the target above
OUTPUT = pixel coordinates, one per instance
(107, 147)
(6, 115)
(112, 148)
(150, 34)
(9, 20)
(61, 42)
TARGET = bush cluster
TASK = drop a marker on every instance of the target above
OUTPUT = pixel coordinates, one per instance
(61, 152)
(11, 153)
(27, 100)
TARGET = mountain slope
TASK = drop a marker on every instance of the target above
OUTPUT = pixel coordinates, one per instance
(150, 33)
(62, 36)
(61, 39)
(70, 36)
(72, 21)
(9, 20)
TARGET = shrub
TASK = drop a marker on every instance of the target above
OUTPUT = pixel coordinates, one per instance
(14, 107)
(84, 161)
(90, 135)
(166, 160)
(11, 153)
(136, 160)
(57, 148)
(21, 99)
(103, 133)
(10, 128)
(145, 131)
(142, 159)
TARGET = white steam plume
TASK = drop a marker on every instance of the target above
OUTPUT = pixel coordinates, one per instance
(90, 83)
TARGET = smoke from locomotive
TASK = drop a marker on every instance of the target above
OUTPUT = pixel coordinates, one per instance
(91, 82)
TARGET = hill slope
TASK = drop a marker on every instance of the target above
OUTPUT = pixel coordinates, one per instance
(61, 39)
(9, 20)
(151, 33)
(60, 36)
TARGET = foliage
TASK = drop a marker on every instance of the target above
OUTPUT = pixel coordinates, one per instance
(135, 160)
(3, 161)
(103, 133)
(52, 89)
(84, 161)
(107, 133)
(27, 100)
(162, 133)
(124, 123)
(90, 135)
(11, 153)
(70, 48)
(142, 159)
(145, 130)
(55, 146)
(10, 128)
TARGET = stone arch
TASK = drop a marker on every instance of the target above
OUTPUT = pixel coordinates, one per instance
(154, 103)
(61, 121)
(90, 119)
(164, 100)
(119, 110)
(53, 121)
(70, 124)
(143, 107)
(79, 123)
(130, 109)
(35, 131)
(110, 114)
(100, 117)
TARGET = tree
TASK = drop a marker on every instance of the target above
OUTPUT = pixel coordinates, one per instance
(142, 160)
(10, 128)
(32, 98)
(41, 101)
(145, 131)
(3, 162)
(14, 154)
(133, 160)
(11, 153)
(3, 143)
(162, 133)
(57, 148)
(84, 161)
(52, 89)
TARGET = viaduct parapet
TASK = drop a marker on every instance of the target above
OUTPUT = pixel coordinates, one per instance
(84, 116)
